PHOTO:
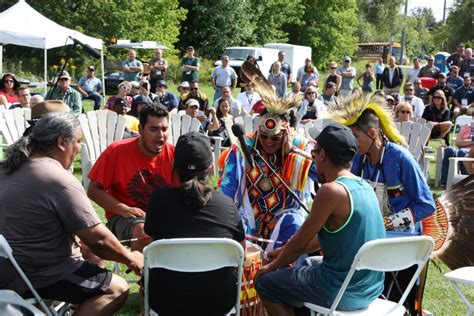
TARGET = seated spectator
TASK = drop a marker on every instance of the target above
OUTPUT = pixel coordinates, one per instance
(416, 103)
(166, 98)
(437, 111)
(222, 115)
(235, 106)
(421, 92)
(344, 212)
(8, 87)
(131, 125)
(135, 89)
(192, 109)
(390, 102)
(137, 106)
(312, 108)
(278, 79)
(183, 88)
(67, 94)
(463, 99)
(24, 98)
(145, 90)
(43, 227)
(123, 90)
(329, 94)
(192, 210)
(441, 85)
(454, 80)
(295, 91)
(196, 94)
(248, 98)
(403, 112)
(36, 99)
(90, 87)
(465, 144)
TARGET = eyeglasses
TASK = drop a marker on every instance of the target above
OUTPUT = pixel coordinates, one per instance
(9, 81)
(275, 138)
(64, 79)
(408, 89)
(333, 67)
(437, 97)
(194, 89)
(405, 112)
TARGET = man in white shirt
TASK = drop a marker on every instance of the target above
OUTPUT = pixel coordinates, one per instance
(409, 97)
(236, 107)
(222, 76)
(248, 98)
(413, 72)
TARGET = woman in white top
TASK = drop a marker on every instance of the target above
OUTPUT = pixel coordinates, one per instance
(248, 98)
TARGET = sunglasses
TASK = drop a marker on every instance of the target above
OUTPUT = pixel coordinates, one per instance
(333, 67)
(160, 86)
(408, 89)
(417, 82)
(275, 138)
(405, 112)
(184, 88)
(437, 97)
(194, 89)
(310, 92)
(9, 81)
(430, 59)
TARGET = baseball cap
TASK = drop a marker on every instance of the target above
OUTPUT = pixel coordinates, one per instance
(64, 74)
(335, 139)
(193, 152)
(442, 74)
(389, 97)
(184, 84)
(192, 102)
(120, 101)
(162, 83)
(91, 68)
(140, 99)
(347, 58)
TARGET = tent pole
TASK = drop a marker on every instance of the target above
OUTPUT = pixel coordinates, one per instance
(45, 69)
(103, 71)
(1, 59)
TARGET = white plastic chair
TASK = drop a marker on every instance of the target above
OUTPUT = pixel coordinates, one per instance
(12, 125)
(454, 173)
(7, 252)
(463, 275)
(390, 254)
(461, 120)
(181, 124)
(100, 128)
(193, 255)
(13, 304)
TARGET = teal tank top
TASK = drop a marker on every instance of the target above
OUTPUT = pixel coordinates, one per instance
(339, 247)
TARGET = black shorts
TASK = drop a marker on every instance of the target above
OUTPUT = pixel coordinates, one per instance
(86, 282)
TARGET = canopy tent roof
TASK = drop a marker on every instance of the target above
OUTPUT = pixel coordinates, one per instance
(22, 25)
(138, 45)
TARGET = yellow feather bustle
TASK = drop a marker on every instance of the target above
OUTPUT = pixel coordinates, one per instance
(350, 109)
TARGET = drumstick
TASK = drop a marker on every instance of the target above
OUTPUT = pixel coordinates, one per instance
(264, 240)
(134, 239)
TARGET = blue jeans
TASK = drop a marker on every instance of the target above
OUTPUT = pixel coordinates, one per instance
(97, 98)
(294, 286)
(217, 94)
(448, 153)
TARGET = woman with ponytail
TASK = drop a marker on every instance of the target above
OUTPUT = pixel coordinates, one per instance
(193, 209)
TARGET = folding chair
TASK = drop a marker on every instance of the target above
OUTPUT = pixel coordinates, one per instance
(390, 254)
(13, 304)
(462, 275)
(7, 252)
(193, 255)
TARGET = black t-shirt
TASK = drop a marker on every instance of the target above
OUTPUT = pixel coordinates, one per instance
(435, 115)
(177, 293)
(448, 91)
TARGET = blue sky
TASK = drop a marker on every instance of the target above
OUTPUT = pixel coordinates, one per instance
(435, 5)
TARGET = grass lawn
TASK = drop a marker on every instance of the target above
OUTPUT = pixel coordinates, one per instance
(439, 298)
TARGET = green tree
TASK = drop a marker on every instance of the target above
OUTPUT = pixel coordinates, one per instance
(460, 25)
(211, 26)
(328, 27)
(383, 14)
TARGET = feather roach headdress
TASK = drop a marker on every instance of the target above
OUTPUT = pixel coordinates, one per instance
(349, 111)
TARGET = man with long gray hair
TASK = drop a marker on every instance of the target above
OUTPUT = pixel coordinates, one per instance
(44, 224)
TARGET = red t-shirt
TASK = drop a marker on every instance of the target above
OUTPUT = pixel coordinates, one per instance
(129, 176)
(10, 98)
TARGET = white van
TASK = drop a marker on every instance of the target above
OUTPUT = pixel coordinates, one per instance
(237, 55)
(295, 55)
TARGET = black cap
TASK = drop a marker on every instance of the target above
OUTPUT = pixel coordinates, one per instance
(335, 139)
(120, 101)
(162, 83)
(140, 99)
(193, 152)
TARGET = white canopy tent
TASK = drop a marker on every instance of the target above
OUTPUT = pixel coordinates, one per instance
(22, 25)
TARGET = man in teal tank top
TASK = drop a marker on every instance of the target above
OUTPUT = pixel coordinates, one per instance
(344, 216)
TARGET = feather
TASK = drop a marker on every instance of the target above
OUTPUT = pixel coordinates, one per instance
(273, 104)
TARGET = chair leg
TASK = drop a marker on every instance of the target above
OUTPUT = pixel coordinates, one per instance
(470, 307)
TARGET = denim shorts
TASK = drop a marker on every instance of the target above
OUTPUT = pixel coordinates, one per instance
(294, 286)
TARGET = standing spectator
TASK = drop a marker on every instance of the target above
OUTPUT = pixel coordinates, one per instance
(441, 85)
(454, 80)
(437, 111)
(24, 98)
(378, 74)
(367, 78)
(67, 94)
(278, 79)
(166, 98)
(414, 71)
(348, 74)
(417, 104)
(333, 76)
(123, 90)
(285, 67)
(223, 75)
(158, 67)
(429, 70)
(196, 94)
(421, 92)
(463, 99)
(190, 66)
(91, 87)
(301, 70)
(467, 64)
(126, 173)
(7, 90)
(132, 67)
(248, 98)
(392, 77)
(456, 57)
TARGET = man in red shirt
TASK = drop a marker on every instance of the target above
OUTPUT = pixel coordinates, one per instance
(128, 171)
